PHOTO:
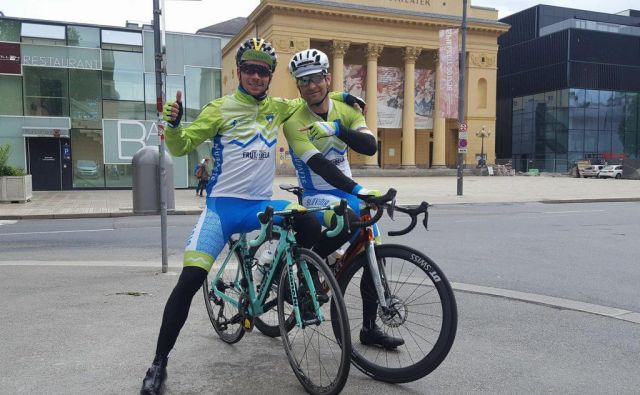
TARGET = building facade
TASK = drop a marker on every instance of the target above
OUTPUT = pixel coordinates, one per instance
(568, 87)
(77, 101)
(392, 47)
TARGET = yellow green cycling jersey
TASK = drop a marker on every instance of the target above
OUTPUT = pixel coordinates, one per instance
(244, 132)
(332, 148)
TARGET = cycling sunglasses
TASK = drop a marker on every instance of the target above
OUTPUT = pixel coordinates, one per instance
(250, 68)
(315, 78)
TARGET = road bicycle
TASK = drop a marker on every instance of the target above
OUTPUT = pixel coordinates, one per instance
(313, 321)
(414, 299)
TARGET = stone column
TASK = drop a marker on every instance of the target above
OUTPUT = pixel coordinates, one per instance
(373, 53)
(409, 54)
(439, 125)
(338, 50)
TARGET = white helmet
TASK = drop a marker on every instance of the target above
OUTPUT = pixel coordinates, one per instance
(309, 61)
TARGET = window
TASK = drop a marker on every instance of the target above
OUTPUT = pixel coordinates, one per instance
(591, 141)
(604, 141)
(632, 101)
(201, 86)
(11, 95)
(88, 169)
(9, 30)
(591, 99)
(550, 100)
(83, 36)
(46, 91)
(606, 98)
(34, 30)
(122, 76)
(118, 176)
(576, 140)
(482, 93)
(576, 98)
(121, 37)
(576, 118)
(123, 110)
(85, 95)
(173, 84)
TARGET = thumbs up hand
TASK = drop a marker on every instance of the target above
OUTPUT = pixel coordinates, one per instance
(172, 111)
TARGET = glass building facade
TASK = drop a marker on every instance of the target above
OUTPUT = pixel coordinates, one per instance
(553, 130)
(568, 88)
(83, 98)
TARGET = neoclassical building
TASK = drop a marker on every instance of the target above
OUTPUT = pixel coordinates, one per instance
(391, 45)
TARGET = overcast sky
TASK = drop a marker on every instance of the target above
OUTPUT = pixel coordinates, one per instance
(189, 16)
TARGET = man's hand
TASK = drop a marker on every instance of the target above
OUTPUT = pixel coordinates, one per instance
(319, 130)
(172, 111)
(360, 191)
(356, 102)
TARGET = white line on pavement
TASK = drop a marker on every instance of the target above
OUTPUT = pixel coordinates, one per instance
(57, 231)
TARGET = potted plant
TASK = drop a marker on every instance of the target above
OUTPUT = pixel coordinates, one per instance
(15, 185)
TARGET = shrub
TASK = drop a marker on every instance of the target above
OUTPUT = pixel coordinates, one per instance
(5, 169)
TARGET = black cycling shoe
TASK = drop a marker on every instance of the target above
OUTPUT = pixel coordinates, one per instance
(376, 337)
(153, 383)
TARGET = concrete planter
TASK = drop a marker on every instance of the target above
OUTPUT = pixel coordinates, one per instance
(15, 188)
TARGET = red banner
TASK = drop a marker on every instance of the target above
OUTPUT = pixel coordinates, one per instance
(448, 73)
(10, 58)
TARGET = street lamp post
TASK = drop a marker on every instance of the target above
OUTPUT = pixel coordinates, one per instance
(482, 133)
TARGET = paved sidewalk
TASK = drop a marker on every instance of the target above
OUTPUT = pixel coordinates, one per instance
(411, 190)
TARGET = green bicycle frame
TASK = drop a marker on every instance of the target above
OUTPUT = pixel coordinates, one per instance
(257, 299)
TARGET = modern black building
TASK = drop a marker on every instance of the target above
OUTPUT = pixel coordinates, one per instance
(568, 87)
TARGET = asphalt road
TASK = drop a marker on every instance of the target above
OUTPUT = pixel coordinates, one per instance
(586, 252)
(69, 327)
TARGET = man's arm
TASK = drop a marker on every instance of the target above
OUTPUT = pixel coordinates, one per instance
(182, 140)
(309, 154)
(292, 105)
(360, 140)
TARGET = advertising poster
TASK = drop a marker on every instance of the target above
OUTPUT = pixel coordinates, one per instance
(390, 97)
(448, 73)
(355, 79)
(425, 98)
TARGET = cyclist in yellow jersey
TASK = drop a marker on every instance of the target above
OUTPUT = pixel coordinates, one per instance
(319, 135)
(243, 127)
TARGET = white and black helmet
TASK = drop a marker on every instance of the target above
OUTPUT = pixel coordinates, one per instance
(309, 61)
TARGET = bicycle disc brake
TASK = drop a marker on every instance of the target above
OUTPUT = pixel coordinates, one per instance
(396, 314)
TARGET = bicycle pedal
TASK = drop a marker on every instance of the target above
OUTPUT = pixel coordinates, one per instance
(248, 324)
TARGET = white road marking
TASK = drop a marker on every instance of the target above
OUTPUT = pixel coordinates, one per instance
(56, 231)
(8, 222)
(573, 211)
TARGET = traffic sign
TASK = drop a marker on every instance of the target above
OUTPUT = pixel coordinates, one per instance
(462, 143)
(463, 127)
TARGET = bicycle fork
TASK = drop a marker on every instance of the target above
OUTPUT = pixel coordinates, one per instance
(375, 270)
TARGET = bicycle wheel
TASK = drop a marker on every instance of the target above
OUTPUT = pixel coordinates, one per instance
(225, 317)
(422, 311)
(267, 323)
(318, 352)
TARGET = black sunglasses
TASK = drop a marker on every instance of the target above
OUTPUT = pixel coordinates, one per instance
(250, 68)
(315, 78)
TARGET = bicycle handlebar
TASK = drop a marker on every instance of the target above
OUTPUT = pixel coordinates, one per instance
(413, 213)
(266, 220)
(379, 203)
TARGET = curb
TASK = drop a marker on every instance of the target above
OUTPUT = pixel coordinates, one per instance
(199, 210)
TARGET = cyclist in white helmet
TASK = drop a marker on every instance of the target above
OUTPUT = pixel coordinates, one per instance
(319, 135)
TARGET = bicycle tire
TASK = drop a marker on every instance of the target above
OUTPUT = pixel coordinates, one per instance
(267, 323)
(300, 345)
(227, 330)
(437, 314)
